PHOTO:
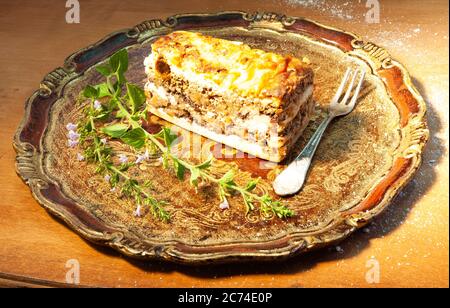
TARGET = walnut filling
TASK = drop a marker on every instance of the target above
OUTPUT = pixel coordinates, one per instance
(206, 107)
(257, 129)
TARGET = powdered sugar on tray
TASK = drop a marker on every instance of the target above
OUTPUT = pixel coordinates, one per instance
(342, 10)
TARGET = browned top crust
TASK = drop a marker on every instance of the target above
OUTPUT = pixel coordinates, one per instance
(229, 65)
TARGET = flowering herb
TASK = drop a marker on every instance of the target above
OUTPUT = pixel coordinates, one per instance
(97, 105)
(124, 103)
(71, 126)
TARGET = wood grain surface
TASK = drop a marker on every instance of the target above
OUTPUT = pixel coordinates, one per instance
(409, 241)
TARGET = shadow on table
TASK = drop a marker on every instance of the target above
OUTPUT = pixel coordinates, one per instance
(388, 221)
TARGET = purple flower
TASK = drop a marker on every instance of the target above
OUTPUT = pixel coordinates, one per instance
(80, 157)
(123, 158)
(137, 212)
(72, 143)
(107, 178)
(73, 135)
(140, 158)
(103, 140)
(97, 105)
(224, 205)
(71, 126)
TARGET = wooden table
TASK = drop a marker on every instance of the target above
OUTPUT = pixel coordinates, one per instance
(410, 241)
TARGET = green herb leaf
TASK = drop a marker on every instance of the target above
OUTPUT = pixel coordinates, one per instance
(227, 178)
(136, 96)
(195, 174)
(157, 208)
(135, 137)
(276, 207)
(165, 161)
(102, 116)
(114, 179)
(248, 201)
(87, 128)
(168, 137)
(105, 70)
(112, 104)
(119, 62)
(120, 77)
(117, 88)
(121, 114)
(222, 193)
(251, 185)
(103, 90)
(90, 92)
(125, 166)
(179, 169)
(115, 130)
(147, 184)
(204, 165)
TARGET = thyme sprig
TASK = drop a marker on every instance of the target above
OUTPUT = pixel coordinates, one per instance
(126, 106)
(97, 151)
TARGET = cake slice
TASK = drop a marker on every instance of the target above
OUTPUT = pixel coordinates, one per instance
(255, 101)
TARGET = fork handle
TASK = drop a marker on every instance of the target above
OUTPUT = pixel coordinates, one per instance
(308, 151)
(291, 179)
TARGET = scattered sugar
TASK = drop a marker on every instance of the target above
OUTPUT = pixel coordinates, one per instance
(343, 11)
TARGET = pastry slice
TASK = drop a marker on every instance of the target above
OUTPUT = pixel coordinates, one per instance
(255, 101)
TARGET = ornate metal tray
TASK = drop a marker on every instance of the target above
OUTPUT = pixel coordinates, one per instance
(362, 163)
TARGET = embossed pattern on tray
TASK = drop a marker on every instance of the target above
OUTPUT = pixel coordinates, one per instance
(362, 161)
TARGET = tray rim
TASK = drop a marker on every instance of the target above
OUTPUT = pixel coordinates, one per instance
(29, 163)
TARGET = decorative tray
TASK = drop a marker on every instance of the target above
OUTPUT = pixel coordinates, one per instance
(362, 162)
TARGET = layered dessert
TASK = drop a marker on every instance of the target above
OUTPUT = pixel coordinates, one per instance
(255, 101)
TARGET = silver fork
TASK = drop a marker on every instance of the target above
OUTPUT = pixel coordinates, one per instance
(291, 179)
